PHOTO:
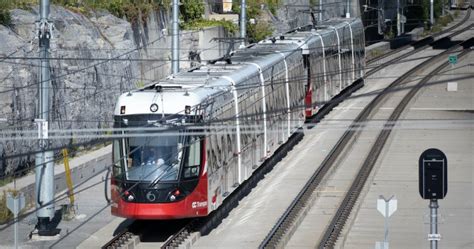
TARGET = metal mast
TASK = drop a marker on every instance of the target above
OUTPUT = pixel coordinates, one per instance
(431, 13)
(243, 22)
(175, 39)
(320, 10)
(44, 164)
(348, 12)
(399, 31)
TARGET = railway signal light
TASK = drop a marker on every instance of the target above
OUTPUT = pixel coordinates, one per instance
(433, 175)
(433, 185)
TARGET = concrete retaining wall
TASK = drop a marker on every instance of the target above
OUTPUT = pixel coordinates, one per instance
(82, 168)
(379, 48)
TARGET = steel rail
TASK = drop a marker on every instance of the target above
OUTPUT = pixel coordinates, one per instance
(121, 240)
(423, 41)
(280, 229)
(417, 49)
(337, 223)
(205, 225)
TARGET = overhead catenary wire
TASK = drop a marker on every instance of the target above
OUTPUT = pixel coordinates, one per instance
(276, 112)
(274, 82)
(94, 216)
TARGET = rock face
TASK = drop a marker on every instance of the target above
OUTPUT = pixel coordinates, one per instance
(83, 90)
(95, 58)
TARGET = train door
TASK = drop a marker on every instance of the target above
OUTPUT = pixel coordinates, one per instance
(308, 101)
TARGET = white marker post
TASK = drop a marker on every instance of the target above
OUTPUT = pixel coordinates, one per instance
(15, 204)
(386, 207)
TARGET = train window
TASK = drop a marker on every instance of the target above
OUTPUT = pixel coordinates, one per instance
(117, 159)
(153, 157)
(191, 166)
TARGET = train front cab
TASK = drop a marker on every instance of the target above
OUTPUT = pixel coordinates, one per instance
(157, 175)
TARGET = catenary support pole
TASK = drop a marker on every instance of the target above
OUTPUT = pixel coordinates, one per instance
(431, 13)
(44, 164)
(175, 38)
(402, 24)
(320, 10)
(348, 7)
(243, 21)
(398, 19)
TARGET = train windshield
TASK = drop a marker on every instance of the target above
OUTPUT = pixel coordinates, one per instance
(152, 157)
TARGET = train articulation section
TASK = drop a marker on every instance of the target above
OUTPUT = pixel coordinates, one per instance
(190, 140)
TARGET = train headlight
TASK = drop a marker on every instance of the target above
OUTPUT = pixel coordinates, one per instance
(153, 107)
(128, 196)
(173, 195)
(187, 109)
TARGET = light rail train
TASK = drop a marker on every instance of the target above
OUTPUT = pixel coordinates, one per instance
(190, 140)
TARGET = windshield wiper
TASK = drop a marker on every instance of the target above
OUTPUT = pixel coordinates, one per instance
(157, 179)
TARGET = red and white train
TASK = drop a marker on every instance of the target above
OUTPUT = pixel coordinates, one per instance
(193, 138)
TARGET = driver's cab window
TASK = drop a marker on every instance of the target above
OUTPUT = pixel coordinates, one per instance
(191, 166)
(117, 158)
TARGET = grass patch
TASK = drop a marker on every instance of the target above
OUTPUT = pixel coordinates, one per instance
(5, 180)
(202, 23)
(441, 22)
(130, 9)
(375, 53)
(5, 214)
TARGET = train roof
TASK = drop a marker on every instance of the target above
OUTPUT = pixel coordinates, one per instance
(192, 87)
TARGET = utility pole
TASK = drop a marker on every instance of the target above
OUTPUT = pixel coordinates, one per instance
(443, 4)
(44, 164)
(431, 13)
(243, 22)
(320, 10)
(398, 19)
(348, 5)
(175, 39)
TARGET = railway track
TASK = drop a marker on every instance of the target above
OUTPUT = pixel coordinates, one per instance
(122, 240)
(342, 214)
(283, 229)
(417, 49)
(422, 42)
(201, 226)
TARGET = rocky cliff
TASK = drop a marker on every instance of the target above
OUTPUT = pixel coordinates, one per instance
(95, 57)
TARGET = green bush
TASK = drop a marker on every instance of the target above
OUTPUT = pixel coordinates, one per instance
(5, 214)
(192, 10)
(202, 23)
(5, 18)
(260, 30)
